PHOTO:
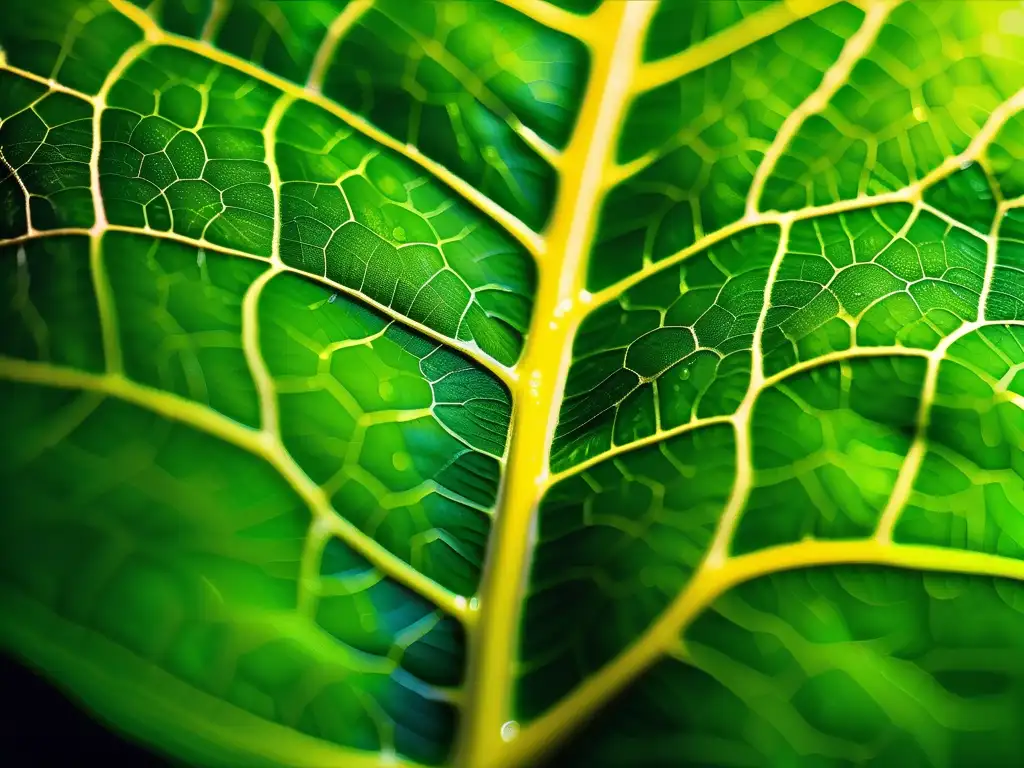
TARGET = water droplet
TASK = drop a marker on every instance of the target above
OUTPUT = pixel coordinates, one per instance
(685, 374)
(509, 730)
(200, 258)
(386, 390)
(920, 113)
(398, 233)
(333, 298)
(401, 461)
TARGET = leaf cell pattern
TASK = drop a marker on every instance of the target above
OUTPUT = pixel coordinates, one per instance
(497, 383)
(47, 140)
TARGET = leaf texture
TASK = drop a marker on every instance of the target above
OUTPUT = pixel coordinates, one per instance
(514, 382)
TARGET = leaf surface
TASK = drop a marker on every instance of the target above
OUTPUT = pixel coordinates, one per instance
(520, 382)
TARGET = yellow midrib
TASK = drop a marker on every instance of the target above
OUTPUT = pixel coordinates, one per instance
(719, 572)
(617, 33)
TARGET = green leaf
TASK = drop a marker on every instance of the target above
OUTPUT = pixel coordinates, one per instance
(514, 382)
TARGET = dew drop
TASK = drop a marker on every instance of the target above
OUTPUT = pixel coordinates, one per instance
(401, 461)
(685, 374)
(509, 730)
(200, 258)
(398, 233)
(334, 297)
(920, 113)
(386, 390)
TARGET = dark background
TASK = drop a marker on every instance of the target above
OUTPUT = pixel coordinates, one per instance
(42, 728)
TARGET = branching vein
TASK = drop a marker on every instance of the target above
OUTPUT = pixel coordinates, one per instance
(202, 418)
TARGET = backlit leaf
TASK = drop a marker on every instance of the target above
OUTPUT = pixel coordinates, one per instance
(513, 382)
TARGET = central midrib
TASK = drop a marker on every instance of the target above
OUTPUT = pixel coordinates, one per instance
(615, 50)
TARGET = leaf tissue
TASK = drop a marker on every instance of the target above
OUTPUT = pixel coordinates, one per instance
(506, 383)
